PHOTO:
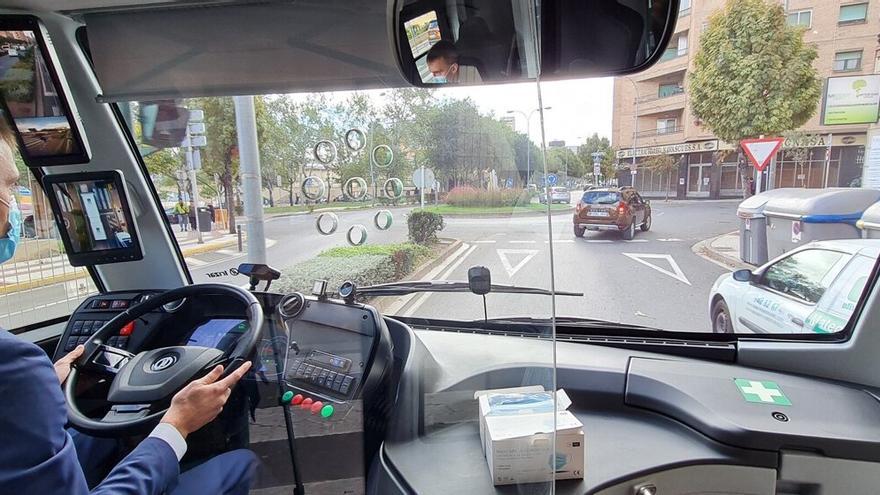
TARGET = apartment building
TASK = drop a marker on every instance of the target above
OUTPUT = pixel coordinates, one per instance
(652, 110)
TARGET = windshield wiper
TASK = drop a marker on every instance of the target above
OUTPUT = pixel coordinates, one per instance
(572, 322)
(404, 288)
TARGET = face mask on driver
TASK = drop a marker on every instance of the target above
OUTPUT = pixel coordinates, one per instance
(9, 243)
(444, 78)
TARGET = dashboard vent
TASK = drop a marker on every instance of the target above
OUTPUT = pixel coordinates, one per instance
(292, 305)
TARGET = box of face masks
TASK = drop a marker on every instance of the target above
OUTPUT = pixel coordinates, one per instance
(516, 430)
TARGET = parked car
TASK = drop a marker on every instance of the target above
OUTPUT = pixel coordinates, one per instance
(814, 288)
(557, 195)
(612, 208)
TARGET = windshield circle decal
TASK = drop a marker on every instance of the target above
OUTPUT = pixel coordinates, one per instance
(383, 156)
(356, 235)
(355, 188)
(325, 151)
(313, 188)
(393, 188)
(383, 219)
(355, 139)
(327, 223)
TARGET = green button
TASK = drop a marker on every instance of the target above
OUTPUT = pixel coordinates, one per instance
(286, 398)
(327, 411)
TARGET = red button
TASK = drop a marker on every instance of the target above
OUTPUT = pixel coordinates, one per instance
(127, 329)
(306, 403)
(317, 407)
(296, 399)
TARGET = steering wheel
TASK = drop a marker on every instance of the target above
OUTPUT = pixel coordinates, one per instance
(153, 377)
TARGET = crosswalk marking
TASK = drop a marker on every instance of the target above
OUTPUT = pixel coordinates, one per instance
(522, 242)
(485, 242)
(195, 262)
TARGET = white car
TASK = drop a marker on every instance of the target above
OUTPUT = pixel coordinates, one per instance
(812, 289)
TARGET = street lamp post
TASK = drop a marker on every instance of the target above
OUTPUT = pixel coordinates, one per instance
(529, 139)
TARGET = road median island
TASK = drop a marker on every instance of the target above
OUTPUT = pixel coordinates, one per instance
(363, 265)
(43, 282)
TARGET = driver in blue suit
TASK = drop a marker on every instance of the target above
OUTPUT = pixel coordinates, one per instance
(39, 455)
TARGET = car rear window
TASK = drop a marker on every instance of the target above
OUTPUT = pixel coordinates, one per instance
(600, 197)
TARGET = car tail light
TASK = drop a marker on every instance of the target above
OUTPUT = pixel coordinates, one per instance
(621, 208)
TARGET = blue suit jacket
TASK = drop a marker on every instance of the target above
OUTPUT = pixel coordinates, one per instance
(37, 454)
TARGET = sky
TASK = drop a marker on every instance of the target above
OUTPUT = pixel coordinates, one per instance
(578, 107)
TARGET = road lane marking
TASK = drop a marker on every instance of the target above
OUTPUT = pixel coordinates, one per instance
(485, 242)
(636, 240)
(511, 270)
(599, 240)
(422, 297)
(559, 240)
(673, 239)
(522, 242)
(676, 272)
(194, 262)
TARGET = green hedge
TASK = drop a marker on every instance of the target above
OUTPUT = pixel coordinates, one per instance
(363, 265)
(471, 196)
(423, 226)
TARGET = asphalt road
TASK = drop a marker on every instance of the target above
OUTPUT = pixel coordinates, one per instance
(654, 280)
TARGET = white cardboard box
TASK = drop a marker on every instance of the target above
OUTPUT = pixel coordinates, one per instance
(516, 430)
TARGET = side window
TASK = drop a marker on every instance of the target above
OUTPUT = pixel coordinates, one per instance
(38, 284)
(803, 275)
(839, 301)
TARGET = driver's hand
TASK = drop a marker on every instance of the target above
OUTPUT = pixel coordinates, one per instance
(62, 366)
(201, 401)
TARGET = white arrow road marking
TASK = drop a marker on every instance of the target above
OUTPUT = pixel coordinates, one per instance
(676, 272)
(447, 267)
(511, 270)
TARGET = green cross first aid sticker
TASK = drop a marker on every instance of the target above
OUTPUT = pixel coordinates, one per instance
(763, 391)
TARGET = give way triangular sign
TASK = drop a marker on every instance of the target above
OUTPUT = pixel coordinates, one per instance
(761, 150)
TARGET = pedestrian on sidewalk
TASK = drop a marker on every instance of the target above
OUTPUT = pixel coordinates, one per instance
(192, 212)
(181, 210)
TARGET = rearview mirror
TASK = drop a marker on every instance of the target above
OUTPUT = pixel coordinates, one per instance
(742, 275)
(493, 41)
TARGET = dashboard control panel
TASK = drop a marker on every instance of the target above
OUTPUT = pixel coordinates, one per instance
(93, 314)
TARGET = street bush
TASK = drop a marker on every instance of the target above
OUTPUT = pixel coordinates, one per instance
(363, 265)
(424, 225)
(472, 196)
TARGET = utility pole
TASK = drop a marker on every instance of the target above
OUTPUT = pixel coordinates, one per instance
(251, 178)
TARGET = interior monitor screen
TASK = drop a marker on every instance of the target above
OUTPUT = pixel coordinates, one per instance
(34, 99)
(93, 216)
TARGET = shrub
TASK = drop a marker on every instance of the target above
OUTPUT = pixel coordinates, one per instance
(424, 225)
(471, 196)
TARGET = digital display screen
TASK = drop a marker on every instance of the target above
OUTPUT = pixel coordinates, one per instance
(34, 102)
(94, 215)
(422, 33)
(219, 333)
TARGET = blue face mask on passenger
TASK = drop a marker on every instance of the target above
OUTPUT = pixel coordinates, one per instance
(10, 242)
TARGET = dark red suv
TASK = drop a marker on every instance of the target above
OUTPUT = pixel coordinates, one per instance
(612, 208)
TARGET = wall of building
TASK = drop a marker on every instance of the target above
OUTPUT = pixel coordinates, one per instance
(642, 99)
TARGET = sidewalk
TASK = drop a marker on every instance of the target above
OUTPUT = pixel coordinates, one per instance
(722, 250)
(213, 241)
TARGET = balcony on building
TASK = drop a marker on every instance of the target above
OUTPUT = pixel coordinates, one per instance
(662, 94)
(673, 59)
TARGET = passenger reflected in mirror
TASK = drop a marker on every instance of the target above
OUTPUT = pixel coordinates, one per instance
(446, 66)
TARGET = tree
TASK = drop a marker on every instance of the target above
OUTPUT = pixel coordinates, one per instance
(753, 74)
(663, 165)
(594, 144)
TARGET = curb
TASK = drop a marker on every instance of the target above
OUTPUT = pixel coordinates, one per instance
(209, 248)
(705, 251)
(382, 303)
(333, 209)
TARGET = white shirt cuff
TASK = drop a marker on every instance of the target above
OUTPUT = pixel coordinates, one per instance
(169, 434)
